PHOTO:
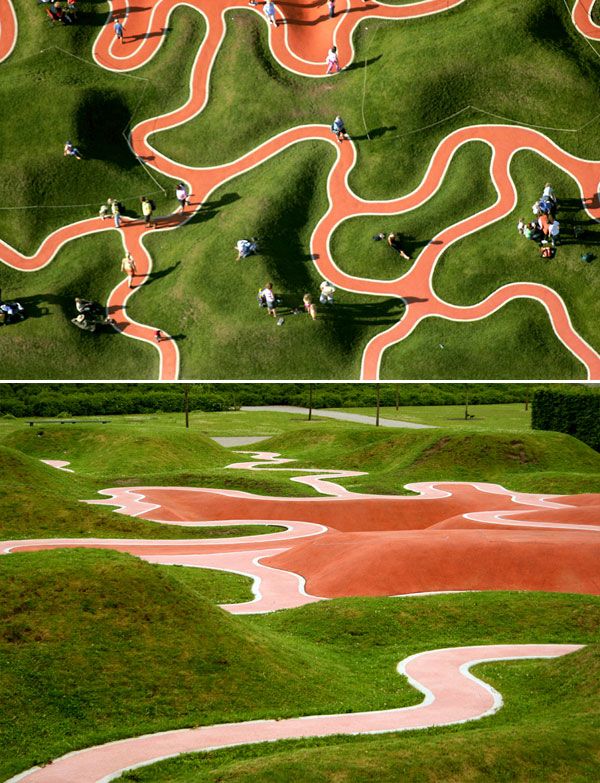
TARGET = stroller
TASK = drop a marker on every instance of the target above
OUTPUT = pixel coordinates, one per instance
(11, 313)
(90, 316)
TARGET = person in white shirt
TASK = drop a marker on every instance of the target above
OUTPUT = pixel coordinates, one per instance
(182, 195)
(548, 192)
(554, 232)
(327, 292)
(269, 297)
(332, 60)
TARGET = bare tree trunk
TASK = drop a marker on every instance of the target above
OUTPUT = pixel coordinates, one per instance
(378, 406)
(310, 401)
(186, 402)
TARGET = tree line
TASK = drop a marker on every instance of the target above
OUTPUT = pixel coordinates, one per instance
(87, 399)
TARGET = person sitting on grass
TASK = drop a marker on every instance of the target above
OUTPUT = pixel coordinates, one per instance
(393, 241)
(327, 292)
(70, 150)
(245, 248)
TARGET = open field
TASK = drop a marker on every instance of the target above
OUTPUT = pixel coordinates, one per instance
(436, 122)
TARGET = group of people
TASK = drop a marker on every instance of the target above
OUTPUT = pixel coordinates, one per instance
(544, 228)
(114, 208)
(58, 13)
(269, 299)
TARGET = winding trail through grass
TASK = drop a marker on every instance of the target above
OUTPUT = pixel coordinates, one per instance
(452, 694)
(298, 44)
(448, 536)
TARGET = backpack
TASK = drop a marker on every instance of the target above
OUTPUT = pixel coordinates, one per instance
(547, 252)
(152, 204)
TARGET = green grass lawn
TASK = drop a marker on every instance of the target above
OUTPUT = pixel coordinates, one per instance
(509, 417)
(207, 298)
(83, 664)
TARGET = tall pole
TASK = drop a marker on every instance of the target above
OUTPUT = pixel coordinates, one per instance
(378, 406)
(466, 402)
(527, 400)
(397, 397)
(310, 401)
(186, 400)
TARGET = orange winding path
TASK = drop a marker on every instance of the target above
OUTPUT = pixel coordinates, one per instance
(298, 45)
(452, 694)
(450, 536)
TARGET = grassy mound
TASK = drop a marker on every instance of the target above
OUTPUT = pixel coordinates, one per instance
(536, 462)
(117, 449)
(39, 501)
(197, 280)
(99, 645)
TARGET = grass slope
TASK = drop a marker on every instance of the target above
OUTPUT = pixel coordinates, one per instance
(531, 462)
(199, 280)
(39, 501)
(84, 663)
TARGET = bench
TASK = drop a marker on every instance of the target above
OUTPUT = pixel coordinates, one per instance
(70, 421)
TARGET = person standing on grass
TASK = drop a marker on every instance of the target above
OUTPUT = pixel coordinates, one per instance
(270, 12)
(118, 28)
(72, 151)
(128, 266)
(147, 210)
(333, 63)
(309, 306)
(115, 209)
(331, 7)
(269, 299)
(182, 195)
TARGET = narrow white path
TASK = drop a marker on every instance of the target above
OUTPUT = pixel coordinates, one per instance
(357, 418)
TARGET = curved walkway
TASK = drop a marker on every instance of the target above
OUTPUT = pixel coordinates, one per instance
(452, 694)
(298, 45)
(449, 536)
(323, 413)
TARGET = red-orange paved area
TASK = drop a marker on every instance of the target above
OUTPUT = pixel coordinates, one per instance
(453, 536)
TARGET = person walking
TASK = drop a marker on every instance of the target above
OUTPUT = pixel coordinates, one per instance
(333, 63)
(182, 195)
(327, 292)
(147, 210)
(128, 266)
(269, 298)
(118, 28)
(331, 7)
(115, 209)
(339, 129)
(270, 12)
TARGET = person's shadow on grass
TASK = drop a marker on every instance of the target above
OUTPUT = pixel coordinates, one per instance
(163, 273)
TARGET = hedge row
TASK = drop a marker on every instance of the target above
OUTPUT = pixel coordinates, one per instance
(46, 400)
(571, 410)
